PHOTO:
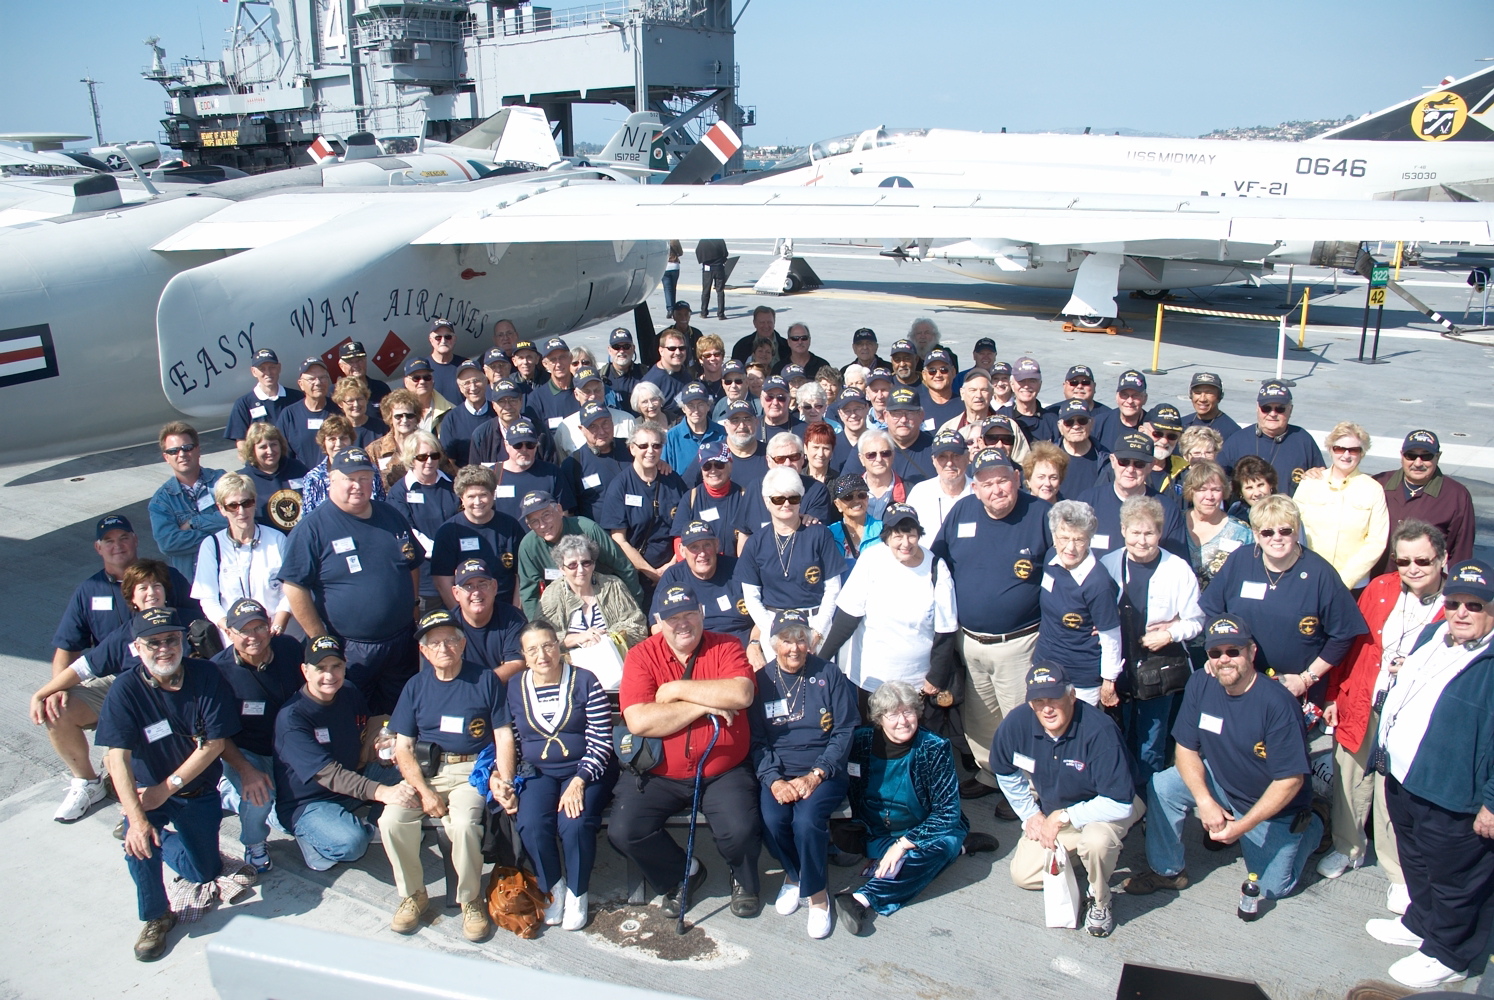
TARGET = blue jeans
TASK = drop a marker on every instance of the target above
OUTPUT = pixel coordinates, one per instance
(254, 821)
(1271, 850)
(327, 832)
(1147, 727)
(191, 849)
(798, 834)
(671, 282)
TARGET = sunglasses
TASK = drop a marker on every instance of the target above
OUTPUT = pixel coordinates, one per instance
(582, 564)
(877, 454)
(1079, 382)
(420, 377)
(860, 496)
(775, 397)
(940, 370)
(442, 336)
(1273, 532)
(403, 416)
(733, 381)
(712, 356)
(1421, 561)
(1418, 456)
(672, 350)
(1164, 436)
(1272, 408)
(794, 501)
(180, 449)
(428, 456)
(785, 459)
(526, 445)
(798, 340)
(1473, 607)
(1133, 463)
(1225, 651)
(712, 466)
(234, 506)
(1339, 449)
(1076, 421)
(648, 446)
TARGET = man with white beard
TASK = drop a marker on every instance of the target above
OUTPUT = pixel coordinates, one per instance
(1165, 425)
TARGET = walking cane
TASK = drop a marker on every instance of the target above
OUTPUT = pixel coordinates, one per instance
(695, 808)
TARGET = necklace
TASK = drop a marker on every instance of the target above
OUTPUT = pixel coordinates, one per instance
(793, 711)
(785, 547)
(1279, 576)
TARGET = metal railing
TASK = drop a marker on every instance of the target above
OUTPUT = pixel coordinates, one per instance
(527, 20)
(410, 29)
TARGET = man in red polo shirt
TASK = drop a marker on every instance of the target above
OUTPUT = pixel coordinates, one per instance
(672, 683)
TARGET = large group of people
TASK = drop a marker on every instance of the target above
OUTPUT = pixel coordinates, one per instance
(789, 586)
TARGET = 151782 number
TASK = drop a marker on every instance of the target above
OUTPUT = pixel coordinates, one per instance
(1324, 165)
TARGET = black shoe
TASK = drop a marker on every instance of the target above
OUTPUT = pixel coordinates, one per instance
(855, 916)
(979, 843)
(151, 944)
(671, 904)
(1004, 810)
(743, 903)
(844, 859)
(972, 789)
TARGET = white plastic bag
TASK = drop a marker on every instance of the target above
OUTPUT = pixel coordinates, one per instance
(604, 659)
(1060, 890)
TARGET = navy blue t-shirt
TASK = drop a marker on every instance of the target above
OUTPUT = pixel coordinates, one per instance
(1109, 425)
(796, 579)
(1087, 761)
(802, 721)
(1249, 740)
(644, 512)
(935, 415)
(495, 543)
(726, 516)
(588, 474)
(1295, 616)
(257, 694)
(426, 508)
(458, 426)
(444, 376)
(541, 476)
(459, 715)
(249, 408)
(299, 425)
(358, 570)
(497, 642)
(914, 463)
(1224, 424)
(160, 728)
(549, 404)
(97, 608)
(1107, 508)
(721, 596)
(996, 564)
(287, 477)
(1291, 456)
(1071, 614)
(671, 385)
(1083, 471)
(308, 737)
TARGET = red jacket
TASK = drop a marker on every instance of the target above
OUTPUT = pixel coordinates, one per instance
(1352, 683)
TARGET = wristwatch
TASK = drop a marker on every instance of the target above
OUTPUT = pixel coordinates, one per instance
(1063, 817)
(175, 781)
(818, 772)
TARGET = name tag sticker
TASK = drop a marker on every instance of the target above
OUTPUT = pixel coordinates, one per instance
(1047, 583)
(471, 544)
(710, 514)
(296, 484)
(415, 497)
(555, 422)
(505, 491)
(323, 735)
(452, 724)
(314, 423)
(1253, 590)
(253, 708)
(257, 412)
(1228, 545)
(341, 545)
(102, 604)
(591, 482)
(1022, 762)
(551, 573)
(775, 709)
(965, 529)
(159, 731)
(205, 502)
(927, 425)
(1210, 723)
(1100, 542)
(723, 602)
(632, 499)
(853, 769)
(354, 566)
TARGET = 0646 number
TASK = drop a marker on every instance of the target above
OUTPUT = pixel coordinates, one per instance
(1324, 165)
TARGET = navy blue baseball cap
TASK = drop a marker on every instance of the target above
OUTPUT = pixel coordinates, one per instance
(948, 443)
(417, 365)
(494, 356)
(552, 345)
(592, 412)
(878, 375)
(352, 349)
(1078, 372)
(1046, 679)
(851, 395)
(939, 354)
(713, 451)
(521, 431)
(442, 323)
(111, 522)
(1074, 409)
(586, 375)
(899, 513)
(1470, 577)
(621, 336)
(1273, 392)
(775, 384)
(985, 344)
(696, 531)
(1224, 630)
(678, 598)
(903, 346)
(1001, 368)
(506, 389)
(472, 569)
(787, 619)
(1422, 440)
(791, 372)
(263, 355)
(350, 460)
(694, 393)
(681, 304)
(245, 610)
(731, 366)
(322, 646)
(1132, 379)
(536, 500)
(864, 335)
(739, 408)
(469, 363)
(311, 363)
(1026, 368)
(991, 458)
(155, 621)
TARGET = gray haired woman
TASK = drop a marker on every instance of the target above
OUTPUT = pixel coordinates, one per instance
(1079, 604)
(648, 402)
(812, 401)
(586, 607)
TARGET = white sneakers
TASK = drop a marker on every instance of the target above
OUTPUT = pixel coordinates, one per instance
(1392, 932)
(82, 795)
(1335, 864)
(553, 912)
(1422, 972)
(819, 922)
(577, 909)
(1398, 898)
(788, 899)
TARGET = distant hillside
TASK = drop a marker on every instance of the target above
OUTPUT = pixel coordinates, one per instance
(1285, 132)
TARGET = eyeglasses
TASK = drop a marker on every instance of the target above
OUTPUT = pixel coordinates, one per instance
(582, 564)
(1164, 436)
(1133, 463)
(798, 340)
(1223, 651)
(1339, 449)
(441, 643)
(262, 628)
(785, 459)
(428, 456)
(175, 639)
(648, 446)
(901, 713)
(1272, 408)
(420, 377)
(792, 501)
(712, 466)
(1418, 456)
(876, 454)
(860, 496)
(545, 647)
(526, 445)
(234, 506)
(403, 416)
(1472, 607)
(442, 336)
(1273, 532)
(733, 381)
(180, 449)
(1422, 561)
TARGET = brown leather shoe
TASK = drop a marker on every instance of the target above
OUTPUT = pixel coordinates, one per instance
(1147, 882)
(151, 944)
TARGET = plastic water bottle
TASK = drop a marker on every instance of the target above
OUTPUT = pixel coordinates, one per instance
(1250, 898)
(386, 745)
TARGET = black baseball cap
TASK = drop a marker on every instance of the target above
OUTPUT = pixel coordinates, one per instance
(863, 335)
(991, 458)
(592, 412)
(246, 610)
(1046, 679)
(522, 431)
(432, 620)
(1079, 371)
(985, 344)
(1422, 440)
(1207, 379)
(948, 443)
(262, 356)
(903, 398)
(1165, 417)
(311, 363)
(1273, 392)
(1133, 445)
(620, 336)
(352, 349)
(506, 389)
(155, 621)
(903, 346)
(853, 483)
(1224, 630)
(323, 646)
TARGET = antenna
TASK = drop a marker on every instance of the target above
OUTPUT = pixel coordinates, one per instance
(93, 97)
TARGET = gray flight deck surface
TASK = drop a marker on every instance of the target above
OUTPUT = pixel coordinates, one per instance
(72, 915)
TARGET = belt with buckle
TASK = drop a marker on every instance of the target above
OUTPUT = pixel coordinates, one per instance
(987, 639)
(457, 758)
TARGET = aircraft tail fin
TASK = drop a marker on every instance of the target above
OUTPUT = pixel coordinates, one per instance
(710, 154)
(1457, 111)
(516, 133)
(632, 145)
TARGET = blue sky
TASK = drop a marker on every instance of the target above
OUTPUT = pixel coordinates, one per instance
(821, 68)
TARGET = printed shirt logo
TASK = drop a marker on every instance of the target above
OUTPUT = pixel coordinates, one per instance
(1439, 116)
(477, 728)
(812, 575)
(1073, 620)
(1260, 749)
(1308, 625)
(1022, 568)
(1077, 765)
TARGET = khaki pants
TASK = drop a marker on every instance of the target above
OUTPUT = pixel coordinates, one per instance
(1358, 794)
(1097, 847)
(998, 684)
(400, 829)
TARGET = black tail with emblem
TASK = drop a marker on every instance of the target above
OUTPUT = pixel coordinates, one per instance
(1448, 114)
